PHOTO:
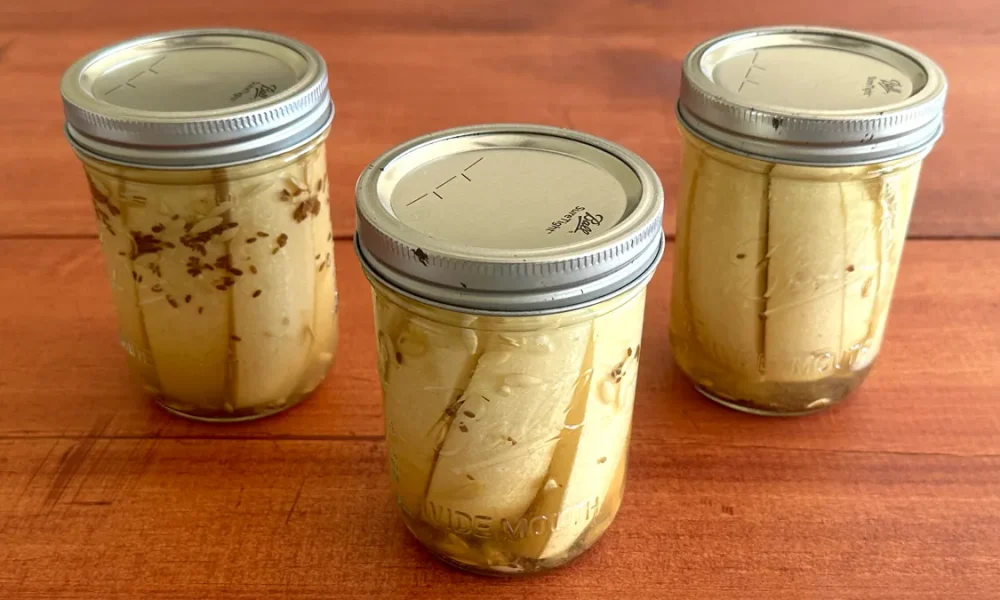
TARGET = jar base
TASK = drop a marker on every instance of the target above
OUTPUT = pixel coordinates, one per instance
(805, 400)
(240, 416)
(753, 410)
(483, 561)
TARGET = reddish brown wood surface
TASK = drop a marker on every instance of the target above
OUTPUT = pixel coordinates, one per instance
(894, 495)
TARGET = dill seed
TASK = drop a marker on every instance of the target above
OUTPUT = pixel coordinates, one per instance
(262, 234)
(469, 414)
(158, 228)
(301, 212)
(256, 293)
(201, 309)
(172, 302)
(463, 428)
(187, 299)
(253, 269)
(236, 338)
(251, 240)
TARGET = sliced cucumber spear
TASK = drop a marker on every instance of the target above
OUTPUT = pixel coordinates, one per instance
(186, 318)
(500, 443)
(325, 307)
(594, 444)
(116, 245)
(274, 291)
(726, 265)
(425, 370)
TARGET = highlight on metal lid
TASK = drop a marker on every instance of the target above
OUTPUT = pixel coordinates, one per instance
(812, 95)
(509, 218)
(196, 98)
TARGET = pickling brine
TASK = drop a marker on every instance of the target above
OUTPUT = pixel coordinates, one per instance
(802, 152)
(508, 436)
(205, 158)
(784, 274)
(223, 280)
(508, 356)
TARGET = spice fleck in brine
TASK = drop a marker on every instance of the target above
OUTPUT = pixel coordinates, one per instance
(199, 147)
(802, 151)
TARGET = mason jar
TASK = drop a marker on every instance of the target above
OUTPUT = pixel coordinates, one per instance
(508, 265)
(802, 149)
(204, 154)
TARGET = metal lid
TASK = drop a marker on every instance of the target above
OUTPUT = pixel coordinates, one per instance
(812, 95)
(196, 98)
(509, 219)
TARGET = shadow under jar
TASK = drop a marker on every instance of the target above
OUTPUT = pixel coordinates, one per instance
(802, 152)
(508, 265)
(204, 152)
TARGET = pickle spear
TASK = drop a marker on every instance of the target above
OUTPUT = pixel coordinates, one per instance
(895, 202)
(116, 245)
(726, 268)
(499, 446)
(274, 287)
(325, 302)
(593, 447)
(426, 370)
(807, 263)
(186, 318)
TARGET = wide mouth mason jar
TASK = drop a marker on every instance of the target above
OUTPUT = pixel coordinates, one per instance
(802, 151)
(204, 153)
(508, 265)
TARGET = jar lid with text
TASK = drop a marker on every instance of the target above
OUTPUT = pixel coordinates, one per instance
(509, 219)
(812, 95)
(196, 99)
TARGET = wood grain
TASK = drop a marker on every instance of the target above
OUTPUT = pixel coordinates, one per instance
(892, 495)
(933, 390)
(108, 519)
(401, 69)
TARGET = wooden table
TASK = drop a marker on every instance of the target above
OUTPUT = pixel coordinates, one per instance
(895, 494)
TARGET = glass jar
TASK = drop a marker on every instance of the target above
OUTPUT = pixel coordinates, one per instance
(219, 247)
(508, 436)
(508, 387)
(794, 205)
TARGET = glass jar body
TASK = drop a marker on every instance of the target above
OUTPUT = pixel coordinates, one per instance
(508, 436)
(223, 280)
(784, 274)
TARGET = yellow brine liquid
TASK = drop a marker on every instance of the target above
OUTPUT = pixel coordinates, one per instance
(508, 436)
(784, 275)
(223, 280)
